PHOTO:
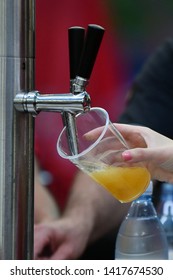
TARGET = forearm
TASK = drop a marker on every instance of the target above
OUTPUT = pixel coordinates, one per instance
(97, 210)
(45, 207)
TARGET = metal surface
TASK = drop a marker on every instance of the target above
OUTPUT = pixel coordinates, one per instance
(68, 104)
(71, 131)
(33, 102)
(16, 129)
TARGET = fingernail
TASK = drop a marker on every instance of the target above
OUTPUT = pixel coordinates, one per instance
(126, 155)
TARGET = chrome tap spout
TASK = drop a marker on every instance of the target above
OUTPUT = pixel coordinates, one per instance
(34, 102)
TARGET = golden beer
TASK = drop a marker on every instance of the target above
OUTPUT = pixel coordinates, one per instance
(124, 183)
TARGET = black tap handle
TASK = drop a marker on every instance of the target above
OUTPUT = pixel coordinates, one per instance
(76, 36)
(91, 46)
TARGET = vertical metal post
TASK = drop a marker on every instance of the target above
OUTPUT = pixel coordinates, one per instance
(16, 129)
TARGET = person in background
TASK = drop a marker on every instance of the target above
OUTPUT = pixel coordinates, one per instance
(91, 212)
(46, 208)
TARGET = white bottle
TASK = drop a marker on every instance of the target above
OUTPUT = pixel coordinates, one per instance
(141, 235)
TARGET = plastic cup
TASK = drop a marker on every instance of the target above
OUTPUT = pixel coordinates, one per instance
(99, 150)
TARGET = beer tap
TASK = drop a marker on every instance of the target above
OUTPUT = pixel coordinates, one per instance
(83, 51)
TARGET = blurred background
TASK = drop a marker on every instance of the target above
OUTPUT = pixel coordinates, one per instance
(133, 30)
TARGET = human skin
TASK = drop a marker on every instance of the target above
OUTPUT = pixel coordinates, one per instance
(147, 146)
(90, 213)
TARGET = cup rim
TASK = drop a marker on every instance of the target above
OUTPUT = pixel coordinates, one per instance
(76, 156)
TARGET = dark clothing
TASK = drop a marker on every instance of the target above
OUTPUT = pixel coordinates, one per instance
(150, 100)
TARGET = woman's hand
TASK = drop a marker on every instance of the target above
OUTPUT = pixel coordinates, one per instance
(154, 150)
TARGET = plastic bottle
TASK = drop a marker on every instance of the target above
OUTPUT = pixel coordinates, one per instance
(141, 235)
(165, 213)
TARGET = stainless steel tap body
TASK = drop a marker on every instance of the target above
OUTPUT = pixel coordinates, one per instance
(34, 102)
(16, 129)
(68, 104)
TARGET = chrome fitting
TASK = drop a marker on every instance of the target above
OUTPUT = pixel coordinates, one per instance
(33, 102)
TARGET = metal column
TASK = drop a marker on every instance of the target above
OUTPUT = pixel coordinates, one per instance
(16, 129)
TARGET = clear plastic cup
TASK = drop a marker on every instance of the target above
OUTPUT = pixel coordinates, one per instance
(99, 150)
